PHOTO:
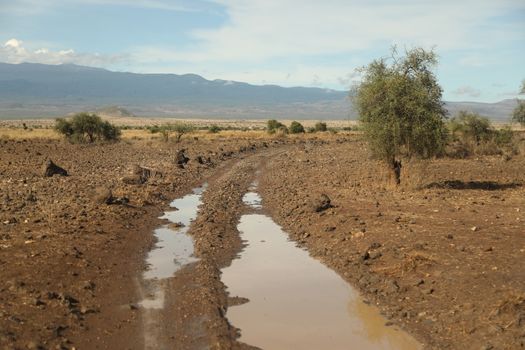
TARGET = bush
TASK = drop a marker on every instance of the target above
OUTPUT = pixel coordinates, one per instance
(320, 126)
(518, 115)
(472, 134)
(87, 127)
(272, 126)
(214, 129)
(296, 128)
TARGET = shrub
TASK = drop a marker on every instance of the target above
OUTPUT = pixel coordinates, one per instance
(320, 126)
(400, 108)
(518, 115)
(471, 134)
(214, 129)
(296, 128)
(272, 126)
(471, 126)
(87, 127)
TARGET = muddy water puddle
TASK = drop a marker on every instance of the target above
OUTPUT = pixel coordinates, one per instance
(174, 247)
(295, 302)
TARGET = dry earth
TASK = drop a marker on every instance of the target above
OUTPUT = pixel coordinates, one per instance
(441, 256)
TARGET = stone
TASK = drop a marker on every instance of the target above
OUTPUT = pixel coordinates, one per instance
(49, 169)
(321, 203)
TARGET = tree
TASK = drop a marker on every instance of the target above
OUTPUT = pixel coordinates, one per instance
(178, 128)
(518, 115)
(400, 107)
(87, 127)
(296, 128)
(273, 126)
(472, 126)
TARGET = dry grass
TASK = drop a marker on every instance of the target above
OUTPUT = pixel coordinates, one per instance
(19, 133)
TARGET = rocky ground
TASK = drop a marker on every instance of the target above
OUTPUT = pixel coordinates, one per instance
(72, 247)
(441, 255)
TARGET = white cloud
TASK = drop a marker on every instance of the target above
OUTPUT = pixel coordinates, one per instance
(467, 91)
(14, 51)
(263, 29)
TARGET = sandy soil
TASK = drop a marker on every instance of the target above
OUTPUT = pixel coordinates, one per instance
(441, 256)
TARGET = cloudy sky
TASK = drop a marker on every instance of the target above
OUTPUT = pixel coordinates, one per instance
(481, 43)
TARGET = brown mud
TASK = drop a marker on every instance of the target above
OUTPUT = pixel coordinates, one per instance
(442, 261)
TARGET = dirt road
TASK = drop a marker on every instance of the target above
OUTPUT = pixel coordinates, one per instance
(443, 260)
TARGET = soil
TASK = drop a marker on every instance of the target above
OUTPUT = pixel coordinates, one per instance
(441, 255)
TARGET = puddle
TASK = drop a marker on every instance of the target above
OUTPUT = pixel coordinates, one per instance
(174, 247)
(252, 198)
(296, 302)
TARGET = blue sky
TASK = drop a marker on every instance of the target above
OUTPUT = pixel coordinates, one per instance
(481, 43)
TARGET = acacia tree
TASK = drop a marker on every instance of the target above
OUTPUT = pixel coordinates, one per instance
(167, 129)
(400, 107)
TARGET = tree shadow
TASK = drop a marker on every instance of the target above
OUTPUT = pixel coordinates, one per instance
(473, 185)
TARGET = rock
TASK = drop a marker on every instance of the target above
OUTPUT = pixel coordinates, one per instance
(103, 195)
(321, 203)
(146, 173)
(49, 169)
(132, 180)
(181, 158)
(474, 228)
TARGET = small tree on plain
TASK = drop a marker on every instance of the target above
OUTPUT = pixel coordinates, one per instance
(272, 126)
(400, 107)
(87, 127)
(296, 128)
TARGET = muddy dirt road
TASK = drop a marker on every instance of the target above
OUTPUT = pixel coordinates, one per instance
(442, 260)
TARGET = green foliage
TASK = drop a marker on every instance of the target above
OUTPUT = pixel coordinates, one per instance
(296, 128)
(214, 129)
(518, 115)
(400, 107)
(273, 126)
(167, 129)
(471, 126)
(473, 134)
(87, 127)
(320, 126)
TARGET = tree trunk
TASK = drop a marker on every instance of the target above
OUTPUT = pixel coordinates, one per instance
(395, 166)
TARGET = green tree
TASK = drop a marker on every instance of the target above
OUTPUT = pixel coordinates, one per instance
(87, 127)
(518, 115)
(296, 128)
(400, 107)
(471, 126)
(273, 126)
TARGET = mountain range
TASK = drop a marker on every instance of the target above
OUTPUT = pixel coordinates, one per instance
(29, 90)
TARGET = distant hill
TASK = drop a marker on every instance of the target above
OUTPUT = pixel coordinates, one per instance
(38, 90)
